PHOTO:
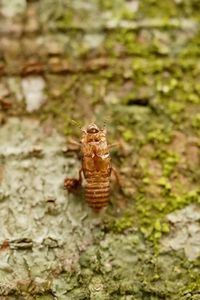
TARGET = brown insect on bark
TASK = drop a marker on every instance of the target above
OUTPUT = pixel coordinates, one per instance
(96, 168)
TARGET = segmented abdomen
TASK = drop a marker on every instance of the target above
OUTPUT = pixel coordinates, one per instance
(97, 192)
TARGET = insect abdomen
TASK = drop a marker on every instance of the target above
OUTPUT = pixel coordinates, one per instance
(97, 193)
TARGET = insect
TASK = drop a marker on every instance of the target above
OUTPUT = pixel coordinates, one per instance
(96, 168)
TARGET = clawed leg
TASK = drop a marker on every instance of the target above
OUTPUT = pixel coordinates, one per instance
(73, 142)
(72, 147)
(73, 184)
(80, 175)
(113, 145)
(117, 177)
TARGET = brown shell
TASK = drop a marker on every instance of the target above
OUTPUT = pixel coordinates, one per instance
(96, 167)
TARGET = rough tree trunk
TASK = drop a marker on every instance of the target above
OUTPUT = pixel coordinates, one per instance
(133, 65)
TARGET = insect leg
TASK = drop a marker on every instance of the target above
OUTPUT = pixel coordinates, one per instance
(73, 184)
(80, 175)
(73, 142)
(113, 145)
(117, 177)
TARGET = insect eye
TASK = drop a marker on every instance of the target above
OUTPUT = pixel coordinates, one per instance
(92, 130)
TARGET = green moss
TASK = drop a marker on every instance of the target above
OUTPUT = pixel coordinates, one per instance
(164, 182)
(170, 163)
(128, 135)
(122, 224)
(196, 122)
(175, 107)
(152, 212)
(168, 160)
(194, 98)
(160, 135)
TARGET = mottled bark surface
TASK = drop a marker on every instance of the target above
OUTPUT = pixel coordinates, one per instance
(134, 66)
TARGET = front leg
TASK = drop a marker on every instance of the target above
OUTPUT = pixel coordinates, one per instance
(73, 184)
(74, 142)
